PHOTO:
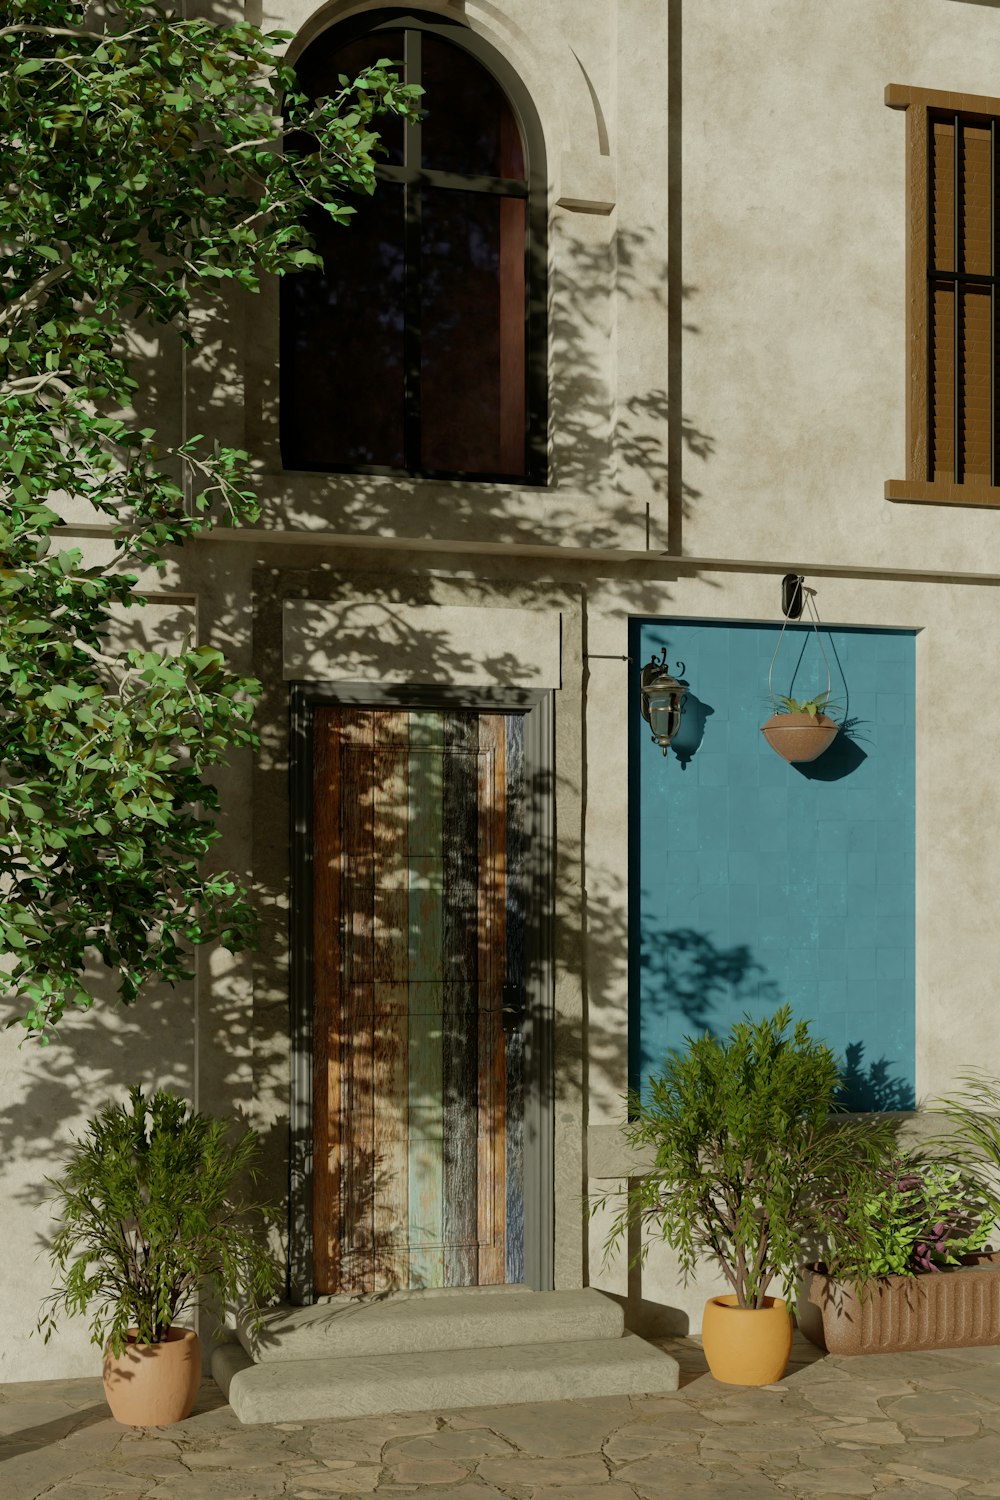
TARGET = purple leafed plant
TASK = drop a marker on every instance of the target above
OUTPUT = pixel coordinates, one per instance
(915, 1218)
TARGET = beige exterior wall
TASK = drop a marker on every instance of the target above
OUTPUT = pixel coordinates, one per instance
(726, 361)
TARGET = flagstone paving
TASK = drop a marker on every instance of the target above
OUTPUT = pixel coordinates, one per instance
(915, 1426)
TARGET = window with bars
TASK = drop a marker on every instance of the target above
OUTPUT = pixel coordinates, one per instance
(953, 432)
(419, 346)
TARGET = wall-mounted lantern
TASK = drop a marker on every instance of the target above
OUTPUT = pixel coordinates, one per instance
(662, 699)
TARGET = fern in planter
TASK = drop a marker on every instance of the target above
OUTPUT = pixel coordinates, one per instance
(151, 1208)
(880, 1288)
(920, 1216)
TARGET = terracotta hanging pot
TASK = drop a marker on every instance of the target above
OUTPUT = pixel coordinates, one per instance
(153, 1385)
(799, 737)
(746, 1345)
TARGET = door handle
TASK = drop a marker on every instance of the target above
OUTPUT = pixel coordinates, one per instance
(512, 1004)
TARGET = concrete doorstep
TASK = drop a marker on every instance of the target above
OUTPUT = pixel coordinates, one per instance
(415, 1352)
(403, 1323)
(306, 1389)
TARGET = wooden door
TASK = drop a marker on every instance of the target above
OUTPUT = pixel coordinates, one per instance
(418, 963)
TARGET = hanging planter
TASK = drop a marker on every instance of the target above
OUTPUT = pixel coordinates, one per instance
(800, 729)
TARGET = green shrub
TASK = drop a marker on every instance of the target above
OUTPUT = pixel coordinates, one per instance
(749, 1167)
(973, 1141)
(150, 1208)
(918, 1216)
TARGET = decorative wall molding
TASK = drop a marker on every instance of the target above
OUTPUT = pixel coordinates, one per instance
(453, 645)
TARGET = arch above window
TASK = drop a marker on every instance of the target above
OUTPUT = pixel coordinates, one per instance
(419, 347)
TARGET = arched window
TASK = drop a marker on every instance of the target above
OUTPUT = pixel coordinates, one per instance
(420, 346)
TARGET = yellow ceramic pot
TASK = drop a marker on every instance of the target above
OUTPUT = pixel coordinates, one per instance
(152, 1385)
(746, 1345)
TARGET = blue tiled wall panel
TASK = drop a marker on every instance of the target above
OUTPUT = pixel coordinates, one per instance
(753, 881)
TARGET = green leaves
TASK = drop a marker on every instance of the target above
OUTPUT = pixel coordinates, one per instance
(190, 115)
(749, 1169)
(149, 1207)
(811, 706)
(917, 1215)
(150, 173)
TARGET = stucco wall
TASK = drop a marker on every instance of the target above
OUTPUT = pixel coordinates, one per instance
(726, 191)
(727, 220)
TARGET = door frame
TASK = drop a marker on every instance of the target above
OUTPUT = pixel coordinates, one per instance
(538, 708)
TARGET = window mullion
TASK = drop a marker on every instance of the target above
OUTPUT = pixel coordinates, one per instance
(957, 311)
(993, 301)
(507, 187)
(933, 208)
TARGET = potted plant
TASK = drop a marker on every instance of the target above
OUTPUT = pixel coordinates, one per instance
(887, 1283)
(800, 730)
(150, 1209)
(748, 1171)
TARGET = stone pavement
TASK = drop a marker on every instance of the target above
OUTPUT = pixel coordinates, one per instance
(916, 1426)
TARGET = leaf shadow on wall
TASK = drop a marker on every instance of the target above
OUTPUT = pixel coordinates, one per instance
(683, 970)
(872, 1088)
(711, 987)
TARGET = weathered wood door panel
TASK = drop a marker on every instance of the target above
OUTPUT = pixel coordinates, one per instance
(418, 965)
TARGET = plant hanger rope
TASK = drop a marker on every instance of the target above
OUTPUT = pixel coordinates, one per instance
(810, 605)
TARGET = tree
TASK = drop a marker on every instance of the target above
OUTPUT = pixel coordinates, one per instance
(145, 173)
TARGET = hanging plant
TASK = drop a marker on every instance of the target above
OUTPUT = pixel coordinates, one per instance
(800, 729)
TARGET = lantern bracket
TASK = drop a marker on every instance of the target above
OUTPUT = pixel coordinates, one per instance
(791, 596)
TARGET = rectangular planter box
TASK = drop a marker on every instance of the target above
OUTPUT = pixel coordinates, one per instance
(951, 1309)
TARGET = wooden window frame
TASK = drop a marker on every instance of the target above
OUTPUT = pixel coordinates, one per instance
(919, 487)
(532, 377)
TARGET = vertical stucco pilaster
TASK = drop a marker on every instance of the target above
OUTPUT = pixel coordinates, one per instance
(570, 1002)
(643, 261)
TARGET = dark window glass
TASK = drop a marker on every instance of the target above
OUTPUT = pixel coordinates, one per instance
(408, 351)
(961, 353)
(469, 126)
(472, 344)
(342, 342)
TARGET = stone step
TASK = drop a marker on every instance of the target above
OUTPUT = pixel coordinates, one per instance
(309, 1389)
(414, 1322)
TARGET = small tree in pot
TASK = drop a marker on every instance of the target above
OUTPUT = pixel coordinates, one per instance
(151, 1209)
(749, 1168)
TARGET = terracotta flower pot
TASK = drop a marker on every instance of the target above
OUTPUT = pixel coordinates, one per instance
(152, 1385)
(746, 1345)
(957, 1308)
(800, 737)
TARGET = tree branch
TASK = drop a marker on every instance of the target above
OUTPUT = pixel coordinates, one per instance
(29, 385)
(35, 292)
